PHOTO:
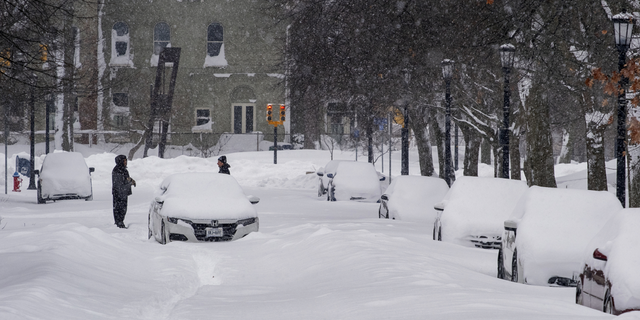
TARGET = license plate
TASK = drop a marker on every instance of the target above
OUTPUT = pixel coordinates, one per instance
(214, 232)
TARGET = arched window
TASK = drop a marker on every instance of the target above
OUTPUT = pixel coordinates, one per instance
(214, 39)
(120, 47)
(161, 37)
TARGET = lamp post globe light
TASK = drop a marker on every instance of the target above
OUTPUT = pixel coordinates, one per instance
(447, 73)
(623, 29)
(507, 52)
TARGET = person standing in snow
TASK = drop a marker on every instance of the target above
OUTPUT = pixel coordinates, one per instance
(223, 165)
(120, 189)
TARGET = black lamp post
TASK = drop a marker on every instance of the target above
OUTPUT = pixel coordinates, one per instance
(507, 52)
(404, 166)
(623, 28)
(447, 73)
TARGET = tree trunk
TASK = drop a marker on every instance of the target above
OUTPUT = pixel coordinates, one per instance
(485, 151)
(421, 132)
(471, 151)
(437, 135)
(539, 142)
(596, 170)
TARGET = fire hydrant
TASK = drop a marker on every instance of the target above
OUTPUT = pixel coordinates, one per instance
(17, 182)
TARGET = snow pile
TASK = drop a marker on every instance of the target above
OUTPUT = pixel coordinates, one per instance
(200, 195)
(65, 173)
(357, 181)
(478, 207)
(554, 227)
(412, 198)
(619, 240)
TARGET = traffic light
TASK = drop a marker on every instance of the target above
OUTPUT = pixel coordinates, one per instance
(44, 51)
(282, 113)
(269, 113)
(5, 59)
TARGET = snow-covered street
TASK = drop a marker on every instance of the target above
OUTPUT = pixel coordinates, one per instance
(312, 259)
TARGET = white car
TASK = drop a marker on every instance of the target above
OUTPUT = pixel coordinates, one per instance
(545, 237)
(201, 207)
(473, 211)
(411, 197)
(64, 175)
(357, 181)
(609, 278)
(323, 179)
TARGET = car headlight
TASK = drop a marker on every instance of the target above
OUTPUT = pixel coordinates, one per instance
(176, 220)
(246, 222)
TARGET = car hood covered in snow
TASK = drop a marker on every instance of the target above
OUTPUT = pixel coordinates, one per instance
(413, 197)
(357, 181)
(554, 227)
(478, 207)
(65, 173)
(204, 196)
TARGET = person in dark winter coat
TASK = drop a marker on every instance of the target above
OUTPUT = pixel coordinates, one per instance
(223, 165)
(120, 189)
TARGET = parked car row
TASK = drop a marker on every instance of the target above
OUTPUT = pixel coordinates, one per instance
(548, 236)
(205, 207)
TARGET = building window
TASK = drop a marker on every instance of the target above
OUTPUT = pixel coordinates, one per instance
(161, 37)
(120, 99)
(203, 116)
(120, 47)
(243, 118)
(215, 46)
(214, 39)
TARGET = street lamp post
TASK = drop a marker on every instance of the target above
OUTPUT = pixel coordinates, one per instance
(447, 73)
(507, 52)
(623, 28)
(404, 166)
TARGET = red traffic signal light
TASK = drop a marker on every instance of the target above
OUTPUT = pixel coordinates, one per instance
(269, 113)
(282, 113)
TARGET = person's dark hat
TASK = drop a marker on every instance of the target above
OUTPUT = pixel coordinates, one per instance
(223, 159)
(120, 160)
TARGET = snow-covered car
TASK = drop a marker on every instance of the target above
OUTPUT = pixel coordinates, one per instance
(410, 197)
(548, 231)
(201, 207)
(323, 179)
(64, 175)
(357, 181)
(609, 280)
(472, 213)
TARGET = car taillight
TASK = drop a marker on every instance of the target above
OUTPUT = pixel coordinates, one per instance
(599, 255)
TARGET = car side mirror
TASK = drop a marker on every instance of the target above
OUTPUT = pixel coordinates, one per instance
(160, 200)
(253, 199)
(320, 174)
(599, 255)
(439, 206)
(383, 178)
(92, 169)
(330, 175)
(36, 171)
(384, 197)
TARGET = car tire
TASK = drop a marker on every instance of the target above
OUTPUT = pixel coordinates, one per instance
(149, 227)
(163, 234)
(500, 265)
(607, 306)
(39, 195)
(514, 266)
